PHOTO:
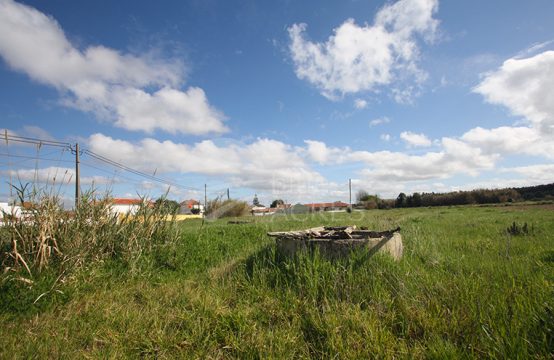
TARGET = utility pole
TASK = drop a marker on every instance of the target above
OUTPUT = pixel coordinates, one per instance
(350, 191)
(205, 198)
(228, 196)
(77, 179)
(9, 168)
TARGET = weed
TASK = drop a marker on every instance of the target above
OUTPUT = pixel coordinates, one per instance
(517, 230)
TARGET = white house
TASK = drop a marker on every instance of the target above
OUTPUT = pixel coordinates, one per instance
(125, 206)
(9, 209)
(191, 207)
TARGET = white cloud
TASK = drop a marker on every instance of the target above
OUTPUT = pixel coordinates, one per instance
(54, 175)
(360, 104)
(379, 121)
(37, 132)
(454, 157)
(319, 152)
(276, 169)
(385, 137)
(534, 174)
(415, 140)
(533, 49)
(507, 140)
(524, 86)
(136, 92)
(262, 164)
(361, 58)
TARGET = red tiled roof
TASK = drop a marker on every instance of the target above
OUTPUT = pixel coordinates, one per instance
(283, 206)
(265, 210)
(190, 203)
(27, 205)
(120, 201)
(326, 205)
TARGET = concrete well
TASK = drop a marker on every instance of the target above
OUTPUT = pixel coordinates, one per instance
(337, 242)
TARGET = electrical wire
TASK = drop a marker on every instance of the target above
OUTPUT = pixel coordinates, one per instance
(136, 172)
(98, 157)
(34, 141)
(113, 173)
(33, 158)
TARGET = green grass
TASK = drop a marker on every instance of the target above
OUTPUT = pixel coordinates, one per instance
(464, 289)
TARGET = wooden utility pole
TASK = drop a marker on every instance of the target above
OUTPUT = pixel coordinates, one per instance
(350, 191)
(9, 168)
(77, 178)
(228, 196)
(205, 197)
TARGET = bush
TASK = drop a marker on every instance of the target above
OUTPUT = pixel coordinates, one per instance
(217, 208)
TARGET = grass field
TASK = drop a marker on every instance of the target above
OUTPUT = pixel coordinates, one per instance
(465, 288)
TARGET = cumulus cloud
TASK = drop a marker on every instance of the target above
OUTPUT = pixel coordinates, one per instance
(524, 86)
(534, 174)
(262, 164)
(507, 140)
(54, 175)
(135, 92)
(282, 170)
(319, 152)
(415, 140)
(364, 57)
(454, 157)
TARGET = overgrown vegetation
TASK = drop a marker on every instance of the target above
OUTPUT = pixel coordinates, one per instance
(218, 208)
(48, 239)
(464, 289)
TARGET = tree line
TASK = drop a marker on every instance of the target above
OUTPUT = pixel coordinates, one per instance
(471, 197)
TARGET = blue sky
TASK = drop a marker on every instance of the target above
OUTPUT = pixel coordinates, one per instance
(285, 99)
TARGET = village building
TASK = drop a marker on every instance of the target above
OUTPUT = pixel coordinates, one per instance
(298, 209)
(334, 206)
(125, 206)
(262, 211)
(191, 206)
(9, 210)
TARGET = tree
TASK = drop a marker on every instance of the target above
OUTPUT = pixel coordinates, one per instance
(170, 206)
(362, 195)
(276, 203)
(416, 199)
(256, 202)
(401, 200)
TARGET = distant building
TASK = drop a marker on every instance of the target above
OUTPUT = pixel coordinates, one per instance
(126, 206)
(334, 206)
(9, 210)
(262, 211)
(191, 207)
(298, 209)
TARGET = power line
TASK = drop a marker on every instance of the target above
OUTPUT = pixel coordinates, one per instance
(32, 158)
(114, 174)
(136, 172)
(66, 145)
(22, 139)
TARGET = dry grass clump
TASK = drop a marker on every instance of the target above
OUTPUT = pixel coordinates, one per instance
(47, 236)
(218, 208)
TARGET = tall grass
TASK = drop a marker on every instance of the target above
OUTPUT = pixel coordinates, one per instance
(465, 288)
(48, 239)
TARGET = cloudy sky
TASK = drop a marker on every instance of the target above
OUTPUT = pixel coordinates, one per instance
(286, 99)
